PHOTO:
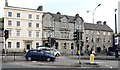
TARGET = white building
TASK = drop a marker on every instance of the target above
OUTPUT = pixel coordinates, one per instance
(25, 28)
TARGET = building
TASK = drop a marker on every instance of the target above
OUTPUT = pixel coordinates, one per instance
(61, 27)
(1, 34)
(98, 35)
(24, 26)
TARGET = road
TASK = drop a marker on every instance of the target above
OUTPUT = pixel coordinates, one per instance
(61, 62)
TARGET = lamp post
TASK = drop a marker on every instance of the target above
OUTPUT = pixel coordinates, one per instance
(115, 22)
(93, 13)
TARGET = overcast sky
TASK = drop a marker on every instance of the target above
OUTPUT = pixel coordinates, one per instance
(105, 12)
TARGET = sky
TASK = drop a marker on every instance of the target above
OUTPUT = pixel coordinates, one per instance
(105, 12)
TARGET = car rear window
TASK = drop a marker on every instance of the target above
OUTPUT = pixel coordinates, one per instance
(33, 51)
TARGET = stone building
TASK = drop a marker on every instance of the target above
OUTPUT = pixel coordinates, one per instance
(1, 34)
(61, 27)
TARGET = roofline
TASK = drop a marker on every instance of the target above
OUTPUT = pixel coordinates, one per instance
(99, 30)
(21, 8)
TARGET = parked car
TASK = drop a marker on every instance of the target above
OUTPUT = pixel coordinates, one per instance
(44, 47)
(35, 54)
(110, 53)
(50, 50)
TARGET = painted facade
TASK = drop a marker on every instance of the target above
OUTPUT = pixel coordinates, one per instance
(25, 28)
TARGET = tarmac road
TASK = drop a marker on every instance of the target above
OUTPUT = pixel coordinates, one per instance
(61, 62)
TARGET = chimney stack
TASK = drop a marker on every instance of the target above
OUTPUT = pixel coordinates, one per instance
(104, 23)
(6, 3)
(99, 22)
(58, 13)
(40, 8)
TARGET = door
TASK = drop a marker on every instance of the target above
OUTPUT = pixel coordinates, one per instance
(27, 47)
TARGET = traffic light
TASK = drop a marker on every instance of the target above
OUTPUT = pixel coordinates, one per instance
(51, 41)
(76, 35)
(6, 34)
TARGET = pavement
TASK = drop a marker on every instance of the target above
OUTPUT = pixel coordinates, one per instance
(98, 57)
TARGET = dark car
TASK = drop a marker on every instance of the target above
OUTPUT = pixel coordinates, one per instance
(39, 55)
(110, 53)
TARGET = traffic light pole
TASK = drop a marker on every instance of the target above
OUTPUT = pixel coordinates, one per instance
(5, 50)
(6, 35)
(79, 47)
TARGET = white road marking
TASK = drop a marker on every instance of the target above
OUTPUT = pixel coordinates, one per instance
(108, 66)
(34, 61)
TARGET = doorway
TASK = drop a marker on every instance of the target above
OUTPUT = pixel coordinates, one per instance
(28, 46)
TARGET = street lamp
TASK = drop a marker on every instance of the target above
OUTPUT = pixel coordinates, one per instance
(93, 20)
(94, 11)
(115, 22)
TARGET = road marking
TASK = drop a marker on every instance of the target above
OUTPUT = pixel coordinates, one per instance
(99, 62)
(108, 66)
(34, 61)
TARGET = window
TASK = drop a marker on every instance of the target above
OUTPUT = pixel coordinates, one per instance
(29, 24)
(17, 44)
(87, 32)
(9, 44)
(10, 33)
(9, 22)
(103, 39)
(92, 40)
(37, 44)
(104, 33)
(37, 16)
(87, 39)
(98, 33)
(108, 33)
(18, 23)
(37, 25)
(64, 45)
(37, 34)
(72, 46)
(18, 33)
(62, 34)
(29, 33)
(18, 15)
(97, 39)
(56, 45)
(9, 14)
(64, 25)
(30, 16)
(92, 32)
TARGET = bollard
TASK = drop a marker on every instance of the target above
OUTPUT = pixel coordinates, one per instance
(14, 56)
(78, 52)
(92, 58)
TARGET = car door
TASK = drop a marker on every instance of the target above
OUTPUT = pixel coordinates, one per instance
(41, 55)
(35, 55)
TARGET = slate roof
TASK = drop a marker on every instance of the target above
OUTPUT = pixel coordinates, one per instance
(91, 26)
(88, 26)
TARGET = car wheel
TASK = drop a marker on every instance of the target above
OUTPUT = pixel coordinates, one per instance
(29, 58)
(48, 59)
(57, 55)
